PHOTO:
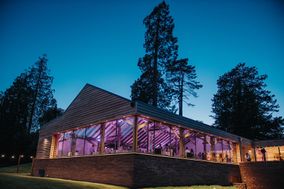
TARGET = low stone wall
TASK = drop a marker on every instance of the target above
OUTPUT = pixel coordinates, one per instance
(139, 170)
(263, 175)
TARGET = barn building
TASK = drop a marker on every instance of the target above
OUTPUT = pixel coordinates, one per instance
(103, 137)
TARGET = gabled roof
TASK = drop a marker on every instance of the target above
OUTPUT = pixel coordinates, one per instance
(91, 105)
(94, 104)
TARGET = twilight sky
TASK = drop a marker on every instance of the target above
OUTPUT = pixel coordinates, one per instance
(99, 42)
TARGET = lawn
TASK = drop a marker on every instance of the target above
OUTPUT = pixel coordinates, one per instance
(194, 187)
(9, 179)
(23, 168)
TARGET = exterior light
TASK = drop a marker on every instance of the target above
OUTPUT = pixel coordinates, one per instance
(2, 155)
(13, 157)
(22, 156)
(31, 157)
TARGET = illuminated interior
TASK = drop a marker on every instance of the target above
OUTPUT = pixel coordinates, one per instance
(272, 153)
(153, 137)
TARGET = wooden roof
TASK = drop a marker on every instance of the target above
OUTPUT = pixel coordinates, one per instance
(153, 112)
(94, 104)
(91, 105)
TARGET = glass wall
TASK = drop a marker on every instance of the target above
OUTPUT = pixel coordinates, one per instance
(153, 137)
(119, 135)
(164, 139)
(272, 153)
(66, 148)
(157, 138)
(118, 138)
(79, 142)
(92, 140)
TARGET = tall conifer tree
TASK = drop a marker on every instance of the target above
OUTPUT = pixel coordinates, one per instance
(42, 99)
(161, 49)
(23, 106)
(14, 113)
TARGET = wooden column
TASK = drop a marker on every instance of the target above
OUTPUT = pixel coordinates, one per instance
(241, 149)
(73, 143)
(148, 137)
(135, 134)
(280, 159)
(53, 148)
(195, 147)
(254, 151)
(84, 146)
(204, 147)
(154, 138)
(212, 148)
(181, 142)
(102, 144)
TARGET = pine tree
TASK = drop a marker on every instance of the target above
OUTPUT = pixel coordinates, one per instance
(42, 98)
(244, 107)
(14, 116)
(23, 106)
(161, 49)
(182, 79)
(50, 114)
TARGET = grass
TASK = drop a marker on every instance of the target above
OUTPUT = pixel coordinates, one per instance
(9, 179)
(194, 187)
(23, 181)
(23, 168)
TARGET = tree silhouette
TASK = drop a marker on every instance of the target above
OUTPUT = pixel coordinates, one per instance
(182, 81)
(26, 104)
(243, 106)
(42, 99)
(161, 49)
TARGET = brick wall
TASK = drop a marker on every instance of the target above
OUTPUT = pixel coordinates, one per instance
(109, 169)
(263, 175)
(138, 170)
(163, 171)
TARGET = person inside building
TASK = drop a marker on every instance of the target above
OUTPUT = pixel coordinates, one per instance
(263, 151)
(158, 150)
(247, 156)
(187, 152)
(203, 155)
(92, 149)
(191, 154)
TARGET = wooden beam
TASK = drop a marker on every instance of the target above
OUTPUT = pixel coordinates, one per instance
(135, 134)
(102, 144)
(181, 143)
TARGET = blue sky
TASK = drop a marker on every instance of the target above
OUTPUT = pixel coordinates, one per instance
(99, 42)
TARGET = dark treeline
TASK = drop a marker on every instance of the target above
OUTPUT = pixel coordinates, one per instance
(26, 105)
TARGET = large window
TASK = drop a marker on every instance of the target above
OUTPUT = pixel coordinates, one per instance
(59, 147)
(157, 138)
(194, 144)
(92, 140)
(272, 153)
(79, 141)
(66, 145)
(119, 135)
(154, 137)
(125, 134)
